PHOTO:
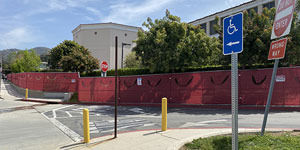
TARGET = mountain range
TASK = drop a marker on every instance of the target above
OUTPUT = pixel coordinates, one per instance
(38, 50)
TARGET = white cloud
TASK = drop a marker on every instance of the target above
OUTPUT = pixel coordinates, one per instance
(127, 12)
(232, 3)
(95, 12)
(16, 37)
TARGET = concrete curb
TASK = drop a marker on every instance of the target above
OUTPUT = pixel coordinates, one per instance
(179, 144)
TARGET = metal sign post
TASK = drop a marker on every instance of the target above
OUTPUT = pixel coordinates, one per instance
(234, 100)
(232, 45)
(269, 97)
(281, 27)
(116, 85)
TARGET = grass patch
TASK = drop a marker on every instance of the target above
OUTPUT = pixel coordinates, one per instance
(271, 141)
(74, 98)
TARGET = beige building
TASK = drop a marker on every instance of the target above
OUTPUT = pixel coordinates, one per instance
(208, 22)
(100, 40)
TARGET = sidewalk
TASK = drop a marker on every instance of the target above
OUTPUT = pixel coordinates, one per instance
(171, 139)
(23, 127)
(12, 92)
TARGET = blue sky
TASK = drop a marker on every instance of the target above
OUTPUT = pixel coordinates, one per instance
(25, 24)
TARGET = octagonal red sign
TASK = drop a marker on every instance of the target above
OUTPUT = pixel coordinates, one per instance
(104, 66)
(283, 18)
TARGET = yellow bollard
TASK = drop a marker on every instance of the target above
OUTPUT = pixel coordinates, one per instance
(86, 126)
(164, 107)
(26, 93)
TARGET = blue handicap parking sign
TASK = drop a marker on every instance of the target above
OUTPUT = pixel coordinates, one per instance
(233, 34)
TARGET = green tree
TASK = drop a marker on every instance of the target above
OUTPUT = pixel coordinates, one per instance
(70, 56)
(63, 49)
(293, 46)
(132, 61)
(79, 61)
(25, 61)
(170, 44)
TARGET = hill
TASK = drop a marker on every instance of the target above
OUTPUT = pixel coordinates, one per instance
(38, 50)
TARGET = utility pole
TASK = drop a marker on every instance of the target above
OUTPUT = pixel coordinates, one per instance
(1, 71)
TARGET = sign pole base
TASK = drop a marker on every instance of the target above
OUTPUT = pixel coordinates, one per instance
(269, 97)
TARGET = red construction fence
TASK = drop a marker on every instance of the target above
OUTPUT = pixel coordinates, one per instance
(48, 82)
(186, 88)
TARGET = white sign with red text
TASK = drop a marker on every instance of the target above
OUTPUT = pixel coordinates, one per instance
(283, 18)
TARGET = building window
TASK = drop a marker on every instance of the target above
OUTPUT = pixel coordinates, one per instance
(95, 33)
(203, 26)
(211, 27)
(269, 5)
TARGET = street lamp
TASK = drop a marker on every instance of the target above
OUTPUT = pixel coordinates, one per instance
(123, 44)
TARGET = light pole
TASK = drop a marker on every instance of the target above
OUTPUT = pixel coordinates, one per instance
(123, 44)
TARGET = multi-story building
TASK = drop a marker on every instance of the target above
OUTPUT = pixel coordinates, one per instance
(208, 22)
(100, 40)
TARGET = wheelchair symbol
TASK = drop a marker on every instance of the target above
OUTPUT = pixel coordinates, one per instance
(231, 28)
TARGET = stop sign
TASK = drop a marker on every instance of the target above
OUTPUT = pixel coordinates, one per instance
(283, 18)
(104, 66)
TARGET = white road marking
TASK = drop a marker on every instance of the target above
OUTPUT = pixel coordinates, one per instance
(70, 133)
(137, 110)
(70, 115)
(202, 123)
(54, 113)
(142, 116)
(54, 110)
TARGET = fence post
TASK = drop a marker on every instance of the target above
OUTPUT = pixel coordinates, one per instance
(164, 108)
(86, 126)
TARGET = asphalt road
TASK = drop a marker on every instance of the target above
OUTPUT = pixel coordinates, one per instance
(69, 119)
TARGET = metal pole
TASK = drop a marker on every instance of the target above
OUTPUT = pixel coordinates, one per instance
(1, 71)
(116, 84)
(269, 97)
(122, 55)
(234, 100)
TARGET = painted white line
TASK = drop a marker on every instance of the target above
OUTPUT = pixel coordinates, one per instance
(210, 121)
(137, 110)
(54, 113)
(202, 123)
(70, 133)
(70, 115)
(142, 116)
(95, 131)
(54, 110)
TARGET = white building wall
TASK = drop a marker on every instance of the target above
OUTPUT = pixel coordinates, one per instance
(100, 40)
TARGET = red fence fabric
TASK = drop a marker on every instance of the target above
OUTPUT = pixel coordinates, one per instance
(100, 90)
(47, 82)
(144, 89)
(187, 88)
(197, 88)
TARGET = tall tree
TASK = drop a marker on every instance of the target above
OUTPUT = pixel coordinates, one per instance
(63, 49)
(26, 61)
(132, 61)
(170, 44)
(71, 56)
(79, 61)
